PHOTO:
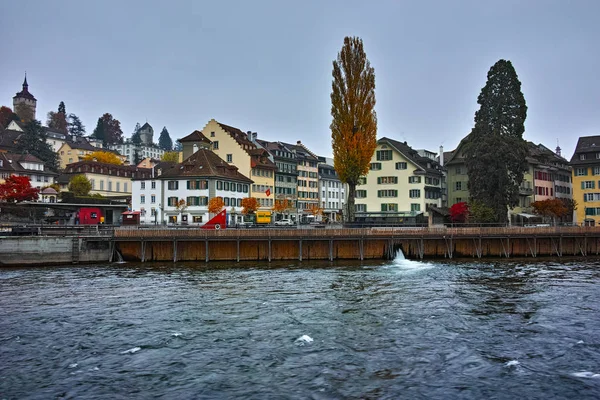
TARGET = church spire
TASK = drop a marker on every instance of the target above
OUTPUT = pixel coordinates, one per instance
(25, 85)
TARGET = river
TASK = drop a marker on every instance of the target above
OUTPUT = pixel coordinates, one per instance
(383, 330)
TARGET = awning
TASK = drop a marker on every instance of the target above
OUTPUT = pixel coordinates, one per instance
(525, 215)
(131, 212)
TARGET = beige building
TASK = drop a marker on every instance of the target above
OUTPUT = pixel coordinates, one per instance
(240, 149)
(308, 178)
(400, 182)
(108, 180)
(76, 150)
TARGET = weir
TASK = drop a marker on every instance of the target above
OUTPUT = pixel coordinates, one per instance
(192, 244)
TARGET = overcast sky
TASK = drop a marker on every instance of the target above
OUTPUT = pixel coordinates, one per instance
(266, 66)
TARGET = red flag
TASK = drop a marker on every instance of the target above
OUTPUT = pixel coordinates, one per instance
(219, 221)
(268, 192)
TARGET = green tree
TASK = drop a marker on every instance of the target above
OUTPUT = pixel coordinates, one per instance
(79, 185)
(135, 136)
(62, 108)
(99, 131)
(495, 150)
(164, 140)
(75, 126)
(33, 141)
(481, 213)
(354, 125)
(136, 157)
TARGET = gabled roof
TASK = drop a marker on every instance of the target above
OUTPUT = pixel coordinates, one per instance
(15, 161)
(424, 163)
(586, 145)
(260, 158)
(238, 135)
(8, 139)
(80, 143)
(195, 136)
(132, 169)
(145, 126)
(203, 164)
(301, 151)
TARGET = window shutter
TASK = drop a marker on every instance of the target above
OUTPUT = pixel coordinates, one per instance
(188, 185)
(582, 184)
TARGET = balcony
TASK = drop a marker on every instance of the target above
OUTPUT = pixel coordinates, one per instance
(525, 191)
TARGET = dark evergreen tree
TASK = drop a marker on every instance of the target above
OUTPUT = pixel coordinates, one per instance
(99, 132)
(135, 136)
(75, 126)
(136, 157)
(178, 146)
(61, 108)
(164, 140)
(33, 141)
(495, 150)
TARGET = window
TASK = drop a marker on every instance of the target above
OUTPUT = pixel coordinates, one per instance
(153, 184)
(375, 166)
(414, 179)
(415, 207)
(580, 171)
(359, 194)
(153, 199)
(198, 218)
(362, 180)
(172, 201)
(588, 184)
(389, 207)
(219, 185)
(458, 170)
(400, 165)
(142, 199)
(582, 156)
(360, 207)
(414, 193)
(212, 134)
(93, 182)
(215, 145)
(110, 186)
(387, 193)
(457, 186)
(118, 186)
(125, 187)
(101, 185)
(229, 158)
(386, 180)
(173, 185)
(384, 155)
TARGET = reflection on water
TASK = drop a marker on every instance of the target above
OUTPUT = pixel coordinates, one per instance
(398, 329)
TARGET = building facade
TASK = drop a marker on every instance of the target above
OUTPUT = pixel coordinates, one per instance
(332, 191)
(199, 178)
(26, 165)
(241, 150)
(308, 179)
(286, 175)
(108, 180)
(399, 182)
(586, 180)
(129, 150)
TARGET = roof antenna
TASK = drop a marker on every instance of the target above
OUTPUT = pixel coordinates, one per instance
(558, 149)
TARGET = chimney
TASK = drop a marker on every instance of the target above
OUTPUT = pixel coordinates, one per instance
(442, 156)
(299, 143)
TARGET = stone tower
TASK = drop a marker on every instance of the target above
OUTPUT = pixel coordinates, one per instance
(24, 103)
(146, 134)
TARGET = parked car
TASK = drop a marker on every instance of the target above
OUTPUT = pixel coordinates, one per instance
(284, 222)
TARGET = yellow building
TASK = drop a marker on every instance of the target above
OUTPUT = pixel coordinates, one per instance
(108, 180)
(74, 151)
(586, 180)
(240, 149)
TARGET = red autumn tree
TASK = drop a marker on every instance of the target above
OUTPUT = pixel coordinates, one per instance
(459, 212)
(250, 205)
(16, 189)
(6, 116)
(552, 208)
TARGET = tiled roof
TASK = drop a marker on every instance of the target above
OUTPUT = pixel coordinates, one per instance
(8, 139)
(204, 163)
(301, 151)
(13, 162)
(86, 164)
(238, 135)
(427, 164)
(83, 144)
(586, 145)
(195, 136)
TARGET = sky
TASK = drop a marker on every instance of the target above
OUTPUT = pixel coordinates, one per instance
(265, 66)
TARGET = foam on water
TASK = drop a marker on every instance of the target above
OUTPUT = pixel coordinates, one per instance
(304, 339)
(585, 374)
(409, 265)
(512, 363)
(132, 350)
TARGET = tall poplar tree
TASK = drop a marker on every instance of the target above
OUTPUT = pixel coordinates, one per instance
(495, 151)
(135, 136)
(354, 125)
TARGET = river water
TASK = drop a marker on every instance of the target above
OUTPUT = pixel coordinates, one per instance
(385, 330)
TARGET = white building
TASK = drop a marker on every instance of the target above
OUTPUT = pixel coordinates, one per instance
(128, 149)
(333, 193)
(26, 165)
(196, 180)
